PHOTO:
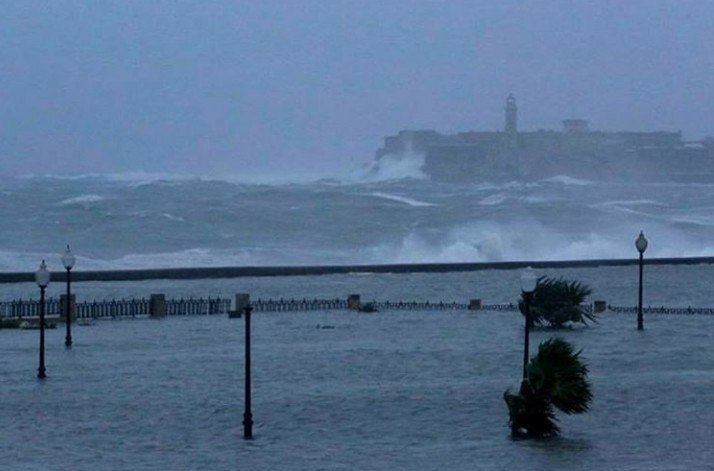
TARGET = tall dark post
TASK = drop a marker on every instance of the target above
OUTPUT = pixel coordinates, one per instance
(68, 316)
(641, 246)
(68, 260)
(640, 319)
(247, 415)
(529, 281)
(42, 278)
(526, 337)
(41, 369)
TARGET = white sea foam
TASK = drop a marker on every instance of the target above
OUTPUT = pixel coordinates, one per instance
(195, 257)
(493, 242)
(642, 208)
(567, 180)
(392, 167)
(401, 199)
(694, 219)
(82, 200)
(493, 200)
(640, 202)
(386, 169)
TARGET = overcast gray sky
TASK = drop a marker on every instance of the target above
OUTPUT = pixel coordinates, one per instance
(312, 87)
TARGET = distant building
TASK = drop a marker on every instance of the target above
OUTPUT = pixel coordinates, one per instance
(571, 126)
(575, 150)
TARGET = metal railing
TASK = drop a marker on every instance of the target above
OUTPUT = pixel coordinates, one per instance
(28, 308)
(294, 305)
(663, 310)
(118, 308)
(115, 308)
(197, 306)
(112, 309)
(418, 306)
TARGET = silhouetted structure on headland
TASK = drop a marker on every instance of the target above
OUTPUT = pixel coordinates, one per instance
(575, 150)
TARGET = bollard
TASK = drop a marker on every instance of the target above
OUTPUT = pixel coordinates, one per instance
(353, 302)
(63, 308)
(157, 305)
(241, 301)
(474, 305)
(599, 306)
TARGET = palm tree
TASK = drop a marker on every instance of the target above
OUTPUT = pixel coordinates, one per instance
(557, 301)
(556, 378)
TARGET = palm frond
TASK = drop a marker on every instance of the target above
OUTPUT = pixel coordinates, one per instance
(555, 378)
(557, 368)
(558, 301)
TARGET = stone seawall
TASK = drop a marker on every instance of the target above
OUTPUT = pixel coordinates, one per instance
(239, 272)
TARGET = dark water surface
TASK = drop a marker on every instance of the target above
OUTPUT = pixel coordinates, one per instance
(384, 391)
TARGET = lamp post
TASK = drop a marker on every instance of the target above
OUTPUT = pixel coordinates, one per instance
(528, 286)
(641, 246)
(247, 414)
(68, 260)
(42, 278)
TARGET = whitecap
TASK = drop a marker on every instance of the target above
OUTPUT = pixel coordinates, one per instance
(567, 180)
(493, 200)
(392, 167)
(640, 202)
(402, 199)
(82, 200)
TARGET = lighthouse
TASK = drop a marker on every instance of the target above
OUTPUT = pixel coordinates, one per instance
(511, 129)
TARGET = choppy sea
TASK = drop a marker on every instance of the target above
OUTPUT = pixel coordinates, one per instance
(135, 221)
(382, 391)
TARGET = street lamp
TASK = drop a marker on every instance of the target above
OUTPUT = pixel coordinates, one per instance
(528, 286)
(641, 246)
(42, 278)
(68, 262)
(247, 414)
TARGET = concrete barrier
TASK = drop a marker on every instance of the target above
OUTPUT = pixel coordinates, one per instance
(353, 302)
(599, 306)
(240, 301)
(236, 272)
(157, 305)
(63, 308)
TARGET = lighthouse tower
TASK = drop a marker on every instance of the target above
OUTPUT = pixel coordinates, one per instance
(511, 129)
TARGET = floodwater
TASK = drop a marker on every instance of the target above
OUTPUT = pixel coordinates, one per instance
(382, 391)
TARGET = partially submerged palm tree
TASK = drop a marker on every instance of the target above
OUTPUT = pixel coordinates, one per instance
(556, 378)
(558, 301)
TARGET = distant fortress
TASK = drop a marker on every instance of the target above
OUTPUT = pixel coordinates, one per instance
(575, 150)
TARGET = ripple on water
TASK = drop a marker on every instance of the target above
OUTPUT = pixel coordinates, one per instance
(385, 391)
